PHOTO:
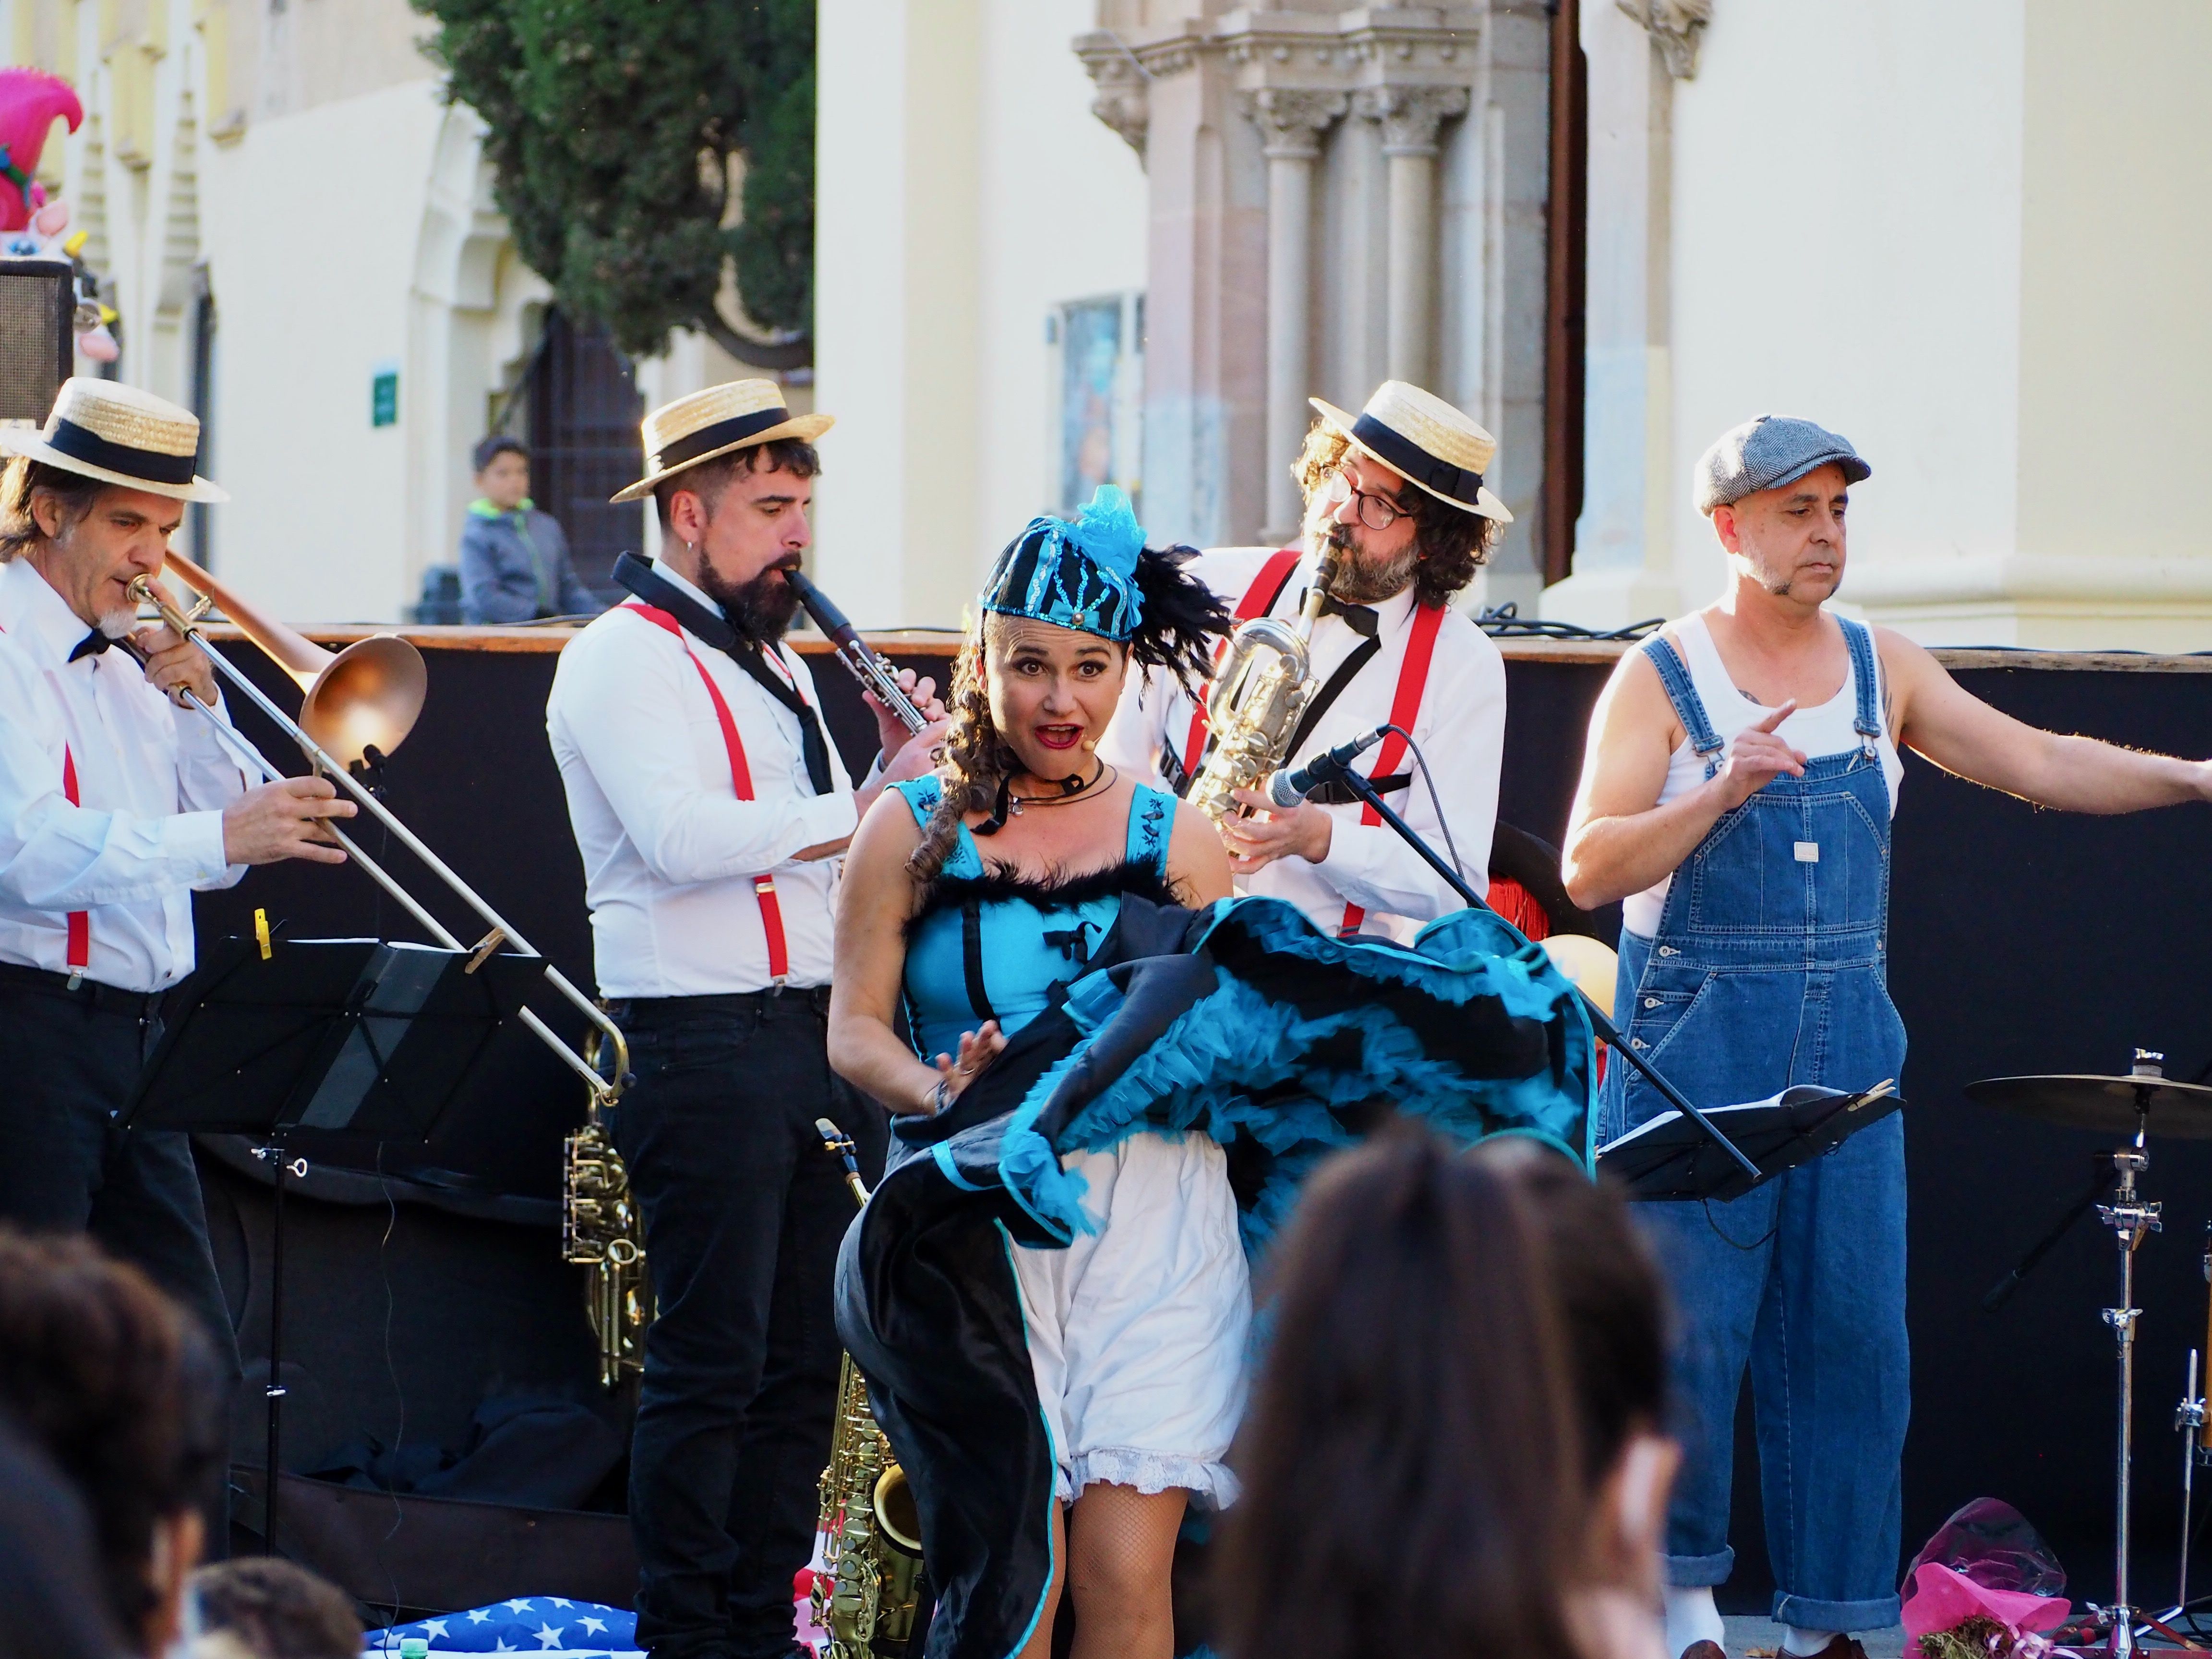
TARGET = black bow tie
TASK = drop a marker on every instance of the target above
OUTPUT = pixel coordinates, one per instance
(91, 645)
(1360, 619)
(712, 626)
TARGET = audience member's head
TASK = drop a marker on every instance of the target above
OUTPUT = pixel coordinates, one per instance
(52, 1602)
(111, 1381)
(503, 471)
(1455, 1444)
(272, 1608)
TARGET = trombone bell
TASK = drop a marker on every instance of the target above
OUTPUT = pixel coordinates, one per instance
(368, 695)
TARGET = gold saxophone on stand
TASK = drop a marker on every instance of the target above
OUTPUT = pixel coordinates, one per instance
(1253, 701)
(602, 1231)
(869, 1588)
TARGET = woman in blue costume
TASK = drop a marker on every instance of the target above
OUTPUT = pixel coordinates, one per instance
(971, 901)
(1116, 1074)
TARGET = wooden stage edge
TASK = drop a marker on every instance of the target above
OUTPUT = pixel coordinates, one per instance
(933, 641)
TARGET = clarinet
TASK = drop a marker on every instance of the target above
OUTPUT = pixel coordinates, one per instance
(872, 671)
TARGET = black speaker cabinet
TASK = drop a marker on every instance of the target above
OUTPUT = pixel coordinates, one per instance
(38, 306)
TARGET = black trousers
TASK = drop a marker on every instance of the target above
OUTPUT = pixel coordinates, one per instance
(744, 1213)
(71, 1064)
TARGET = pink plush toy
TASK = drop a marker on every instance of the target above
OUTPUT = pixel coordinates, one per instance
(29, 100)
(31, 227)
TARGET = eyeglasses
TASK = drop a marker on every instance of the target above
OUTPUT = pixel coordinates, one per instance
(1376, 512)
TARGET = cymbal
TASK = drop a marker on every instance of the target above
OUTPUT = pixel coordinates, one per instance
(2110, 1105)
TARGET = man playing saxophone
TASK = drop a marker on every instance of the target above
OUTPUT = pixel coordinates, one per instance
(1395, 500)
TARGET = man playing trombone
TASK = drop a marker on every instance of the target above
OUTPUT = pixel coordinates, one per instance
(113, 810)
(710, 807)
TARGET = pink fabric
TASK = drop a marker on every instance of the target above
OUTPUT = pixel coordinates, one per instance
(1941, 1598)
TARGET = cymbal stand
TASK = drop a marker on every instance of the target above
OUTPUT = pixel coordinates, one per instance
(2194, 1421)
(2132, 1217)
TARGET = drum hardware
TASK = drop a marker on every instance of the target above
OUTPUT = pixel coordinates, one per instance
(2193, 1422)
(2107, 1104)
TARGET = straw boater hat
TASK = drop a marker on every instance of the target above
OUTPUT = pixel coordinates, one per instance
(120, 436)
(1418, 434)
(713, 422)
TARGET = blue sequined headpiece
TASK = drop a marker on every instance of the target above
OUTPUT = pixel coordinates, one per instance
(1081, 575)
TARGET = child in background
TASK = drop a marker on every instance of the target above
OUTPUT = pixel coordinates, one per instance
(514, 559)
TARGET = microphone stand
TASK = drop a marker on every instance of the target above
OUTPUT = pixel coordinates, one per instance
(1599, 1026)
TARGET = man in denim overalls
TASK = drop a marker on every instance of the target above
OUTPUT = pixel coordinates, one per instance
(1736, 795)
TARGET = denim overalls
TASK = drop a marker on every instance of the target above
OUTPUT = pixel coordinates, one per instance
(1769, 969)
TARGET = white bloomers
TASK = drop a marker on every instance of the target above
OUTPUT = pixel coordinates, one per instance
(1137, 1331)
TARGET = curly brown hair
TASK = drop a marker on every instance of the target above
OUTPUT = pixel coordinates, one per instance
(1451, 542)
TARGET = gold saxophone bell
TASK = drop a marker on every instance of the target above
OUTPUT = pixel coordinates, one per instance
(368, 695)
(896, 1513)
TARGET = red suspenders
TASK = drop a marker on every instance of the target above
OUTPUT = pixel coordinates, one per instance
(1405, 706)
(78, 953)
(1273, 577)
(80, 921)
(741, 779)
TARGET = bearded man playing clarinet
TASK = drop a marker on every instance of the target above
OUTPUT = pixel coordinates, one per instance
(711, 809)
(1397, 518)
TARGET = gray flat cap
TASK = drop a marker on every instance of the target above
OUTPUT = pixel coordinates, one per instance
(1765, 452)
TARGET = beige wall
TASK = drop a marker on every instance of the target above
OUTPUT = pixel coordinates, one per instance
(939, 256)
(1968, 236)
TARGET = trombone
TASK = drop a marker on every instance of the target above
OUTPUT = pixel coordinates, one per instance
(359, 704)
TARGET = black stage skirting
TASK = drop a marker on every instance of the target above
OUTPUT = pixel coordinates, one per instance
(2021, 941)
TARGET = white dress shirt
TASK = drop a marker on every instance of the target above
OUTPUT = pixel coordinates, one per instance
(152, 782)
(1461, 728)
(670, 853)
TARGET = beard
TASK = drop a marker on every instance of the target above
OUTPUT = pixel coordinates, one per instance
(760, 610)
(1363, 580)
(119, 625)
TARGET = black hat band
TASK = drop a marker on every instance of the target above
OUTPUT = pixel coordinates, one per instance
(719, 436)
(1403, 455)
(82, 444)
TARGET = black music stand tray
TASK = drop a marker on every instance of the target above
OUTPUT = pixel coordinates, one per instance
(355, 1035)
(1669, 1156)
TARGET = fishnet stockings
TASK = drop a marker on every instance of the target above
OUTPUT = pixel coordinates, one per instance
(1119, 1547)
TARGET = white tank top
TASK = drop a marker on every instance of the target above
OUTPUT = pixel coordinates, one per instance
(1830, 729)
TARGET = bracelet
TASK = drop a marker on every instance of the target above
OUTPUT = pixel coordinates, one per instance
(938, 1097)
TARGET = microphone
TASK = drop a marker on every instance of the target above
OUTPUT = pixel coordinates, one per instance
(1288, 788)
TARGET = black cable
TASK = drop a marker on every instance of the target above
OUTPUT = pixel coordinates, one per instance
(1505, 622)
(1437, 806)
(391, 1371)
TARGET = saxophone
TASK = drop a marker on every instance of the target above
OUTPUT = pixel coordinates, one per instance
(1253, 701)
(602, 1230)
(869, 1588)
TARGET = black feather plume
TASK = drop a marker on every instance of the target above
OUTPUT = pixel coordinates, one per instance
(1183, 618)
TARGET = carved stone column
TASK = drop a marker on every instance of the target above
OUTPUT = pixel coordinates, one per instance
(1290, 122)
(1410, 117)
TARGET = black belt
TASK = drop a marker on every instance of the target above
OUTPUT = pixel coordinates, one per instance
(816, 997)
(142, 1006)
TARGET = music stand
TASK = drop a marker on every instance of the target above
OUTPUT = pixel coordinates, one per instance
(360, 1034)
(1670, 1157)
